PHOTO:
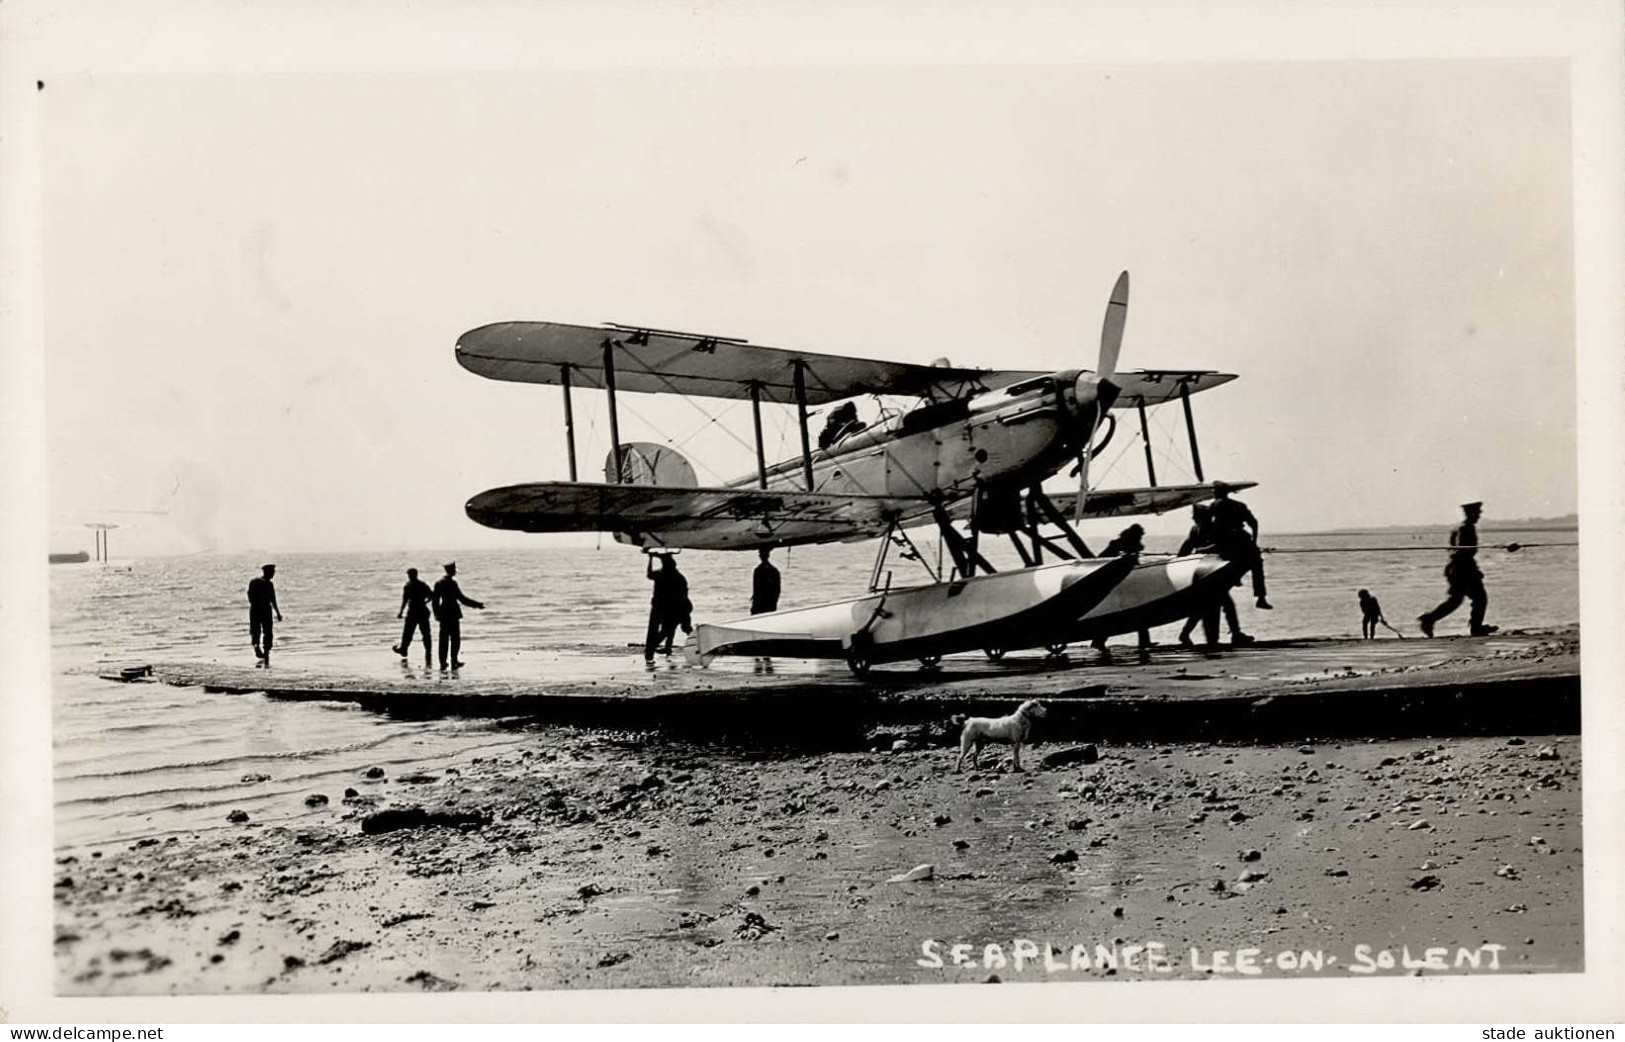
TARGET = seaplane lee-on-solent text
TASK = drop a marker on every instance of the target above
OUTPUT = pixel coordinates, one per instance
(972, 454)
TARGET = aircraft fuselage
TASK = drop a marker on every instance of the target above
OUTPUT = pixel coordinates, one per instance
(1014, 437)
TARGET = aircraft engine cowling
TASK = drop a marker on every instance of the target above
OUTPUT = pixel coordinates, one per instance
(1092, 396)
(645, 463)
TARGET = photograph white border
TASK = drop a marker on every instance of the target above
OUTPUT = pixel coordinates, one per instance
(46, 41)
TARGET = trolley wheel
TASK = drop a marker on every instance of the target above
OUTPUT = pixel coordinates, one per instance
(1056, 650)
(930, 662)
(994, 653)
(858, 663)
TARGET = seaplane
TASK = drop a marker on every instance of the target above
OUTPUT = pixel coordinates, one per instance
(971, 451)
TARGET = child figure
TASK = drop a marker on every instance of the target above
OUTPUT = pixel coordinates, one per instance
(1370, 615)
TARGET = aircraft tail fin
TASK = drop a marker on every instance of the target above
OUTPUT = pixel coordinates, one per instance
(645, 463)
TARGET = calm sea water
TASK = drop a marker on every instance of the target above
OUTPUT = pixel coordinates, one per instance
(136, 760)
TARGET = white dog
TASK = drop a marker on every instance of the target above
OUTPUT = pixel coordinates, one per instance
(1012, 729)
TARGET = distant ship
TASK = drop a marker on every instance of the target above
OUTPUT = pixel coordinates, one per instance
(77, 557)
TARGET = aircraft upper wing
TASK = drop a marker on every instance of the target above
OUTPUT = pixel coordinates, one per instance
(689, 363)
(701, 518)
(1156, 386)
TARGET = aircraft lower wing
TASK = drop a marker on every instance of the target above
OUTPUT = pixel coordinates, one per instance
(1121, 502)
(693, 518)
(1129, 502)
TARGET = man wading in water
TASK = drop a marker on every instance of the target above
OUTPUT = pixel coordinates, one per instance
(261, 603)
(415, 597)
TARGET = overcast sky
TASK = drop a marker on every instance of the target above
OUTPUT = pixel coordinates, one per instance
(253, 285)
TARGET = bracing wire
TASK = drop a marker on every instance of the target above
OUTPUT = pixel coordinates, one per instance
(656, 427)
(690, 399)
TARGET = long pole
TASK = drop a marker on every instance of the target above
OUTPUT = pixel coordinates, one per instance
(756, 415)
(614, 420)
(801, 412)
(1509, 547)
(569, 419)
(1190, 428)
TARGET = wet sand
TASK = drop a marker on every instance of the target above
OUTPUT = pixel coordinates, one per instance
(590, 858)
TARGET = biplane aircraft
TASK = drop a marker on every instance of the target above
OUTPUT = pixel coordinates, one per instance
(975, 451)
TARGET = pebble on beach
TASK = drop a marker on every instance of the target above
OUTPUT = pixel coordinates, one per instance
(916, 874)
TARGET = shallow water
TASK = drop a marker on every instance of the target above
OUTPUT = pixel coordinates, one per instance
(139, 760)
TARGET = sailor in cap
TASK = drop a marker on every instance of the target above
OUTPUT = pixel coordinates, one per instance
(1463, 578)
(448, 598)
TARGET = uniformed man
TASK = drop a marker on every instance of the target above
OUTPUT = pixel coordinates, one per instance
(1462, 577)
(841, 421)
(669, 606)
(448, 599)
(1130, 541)
(764, 585)
(1201, 540)
(764, 597)
(1235, 533)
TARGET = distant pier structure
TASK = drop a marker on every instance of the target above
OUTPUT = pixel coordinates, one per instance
(101, 529)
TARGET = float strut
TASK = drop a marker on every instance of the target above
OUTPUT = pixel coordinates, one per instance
(903, 535)
(880, 557)
(1056, 518)
(1041, 542)
(964, 562)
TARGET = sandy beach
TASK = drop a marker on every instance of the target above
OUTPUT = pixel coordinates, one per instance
(589, 858)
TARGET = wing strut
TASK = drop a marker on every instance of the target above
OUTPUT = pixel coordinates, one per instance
(1190, 428)
(801, 412)
(614, 421)
(756, 415)
(1145, 440)
(569, 419)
